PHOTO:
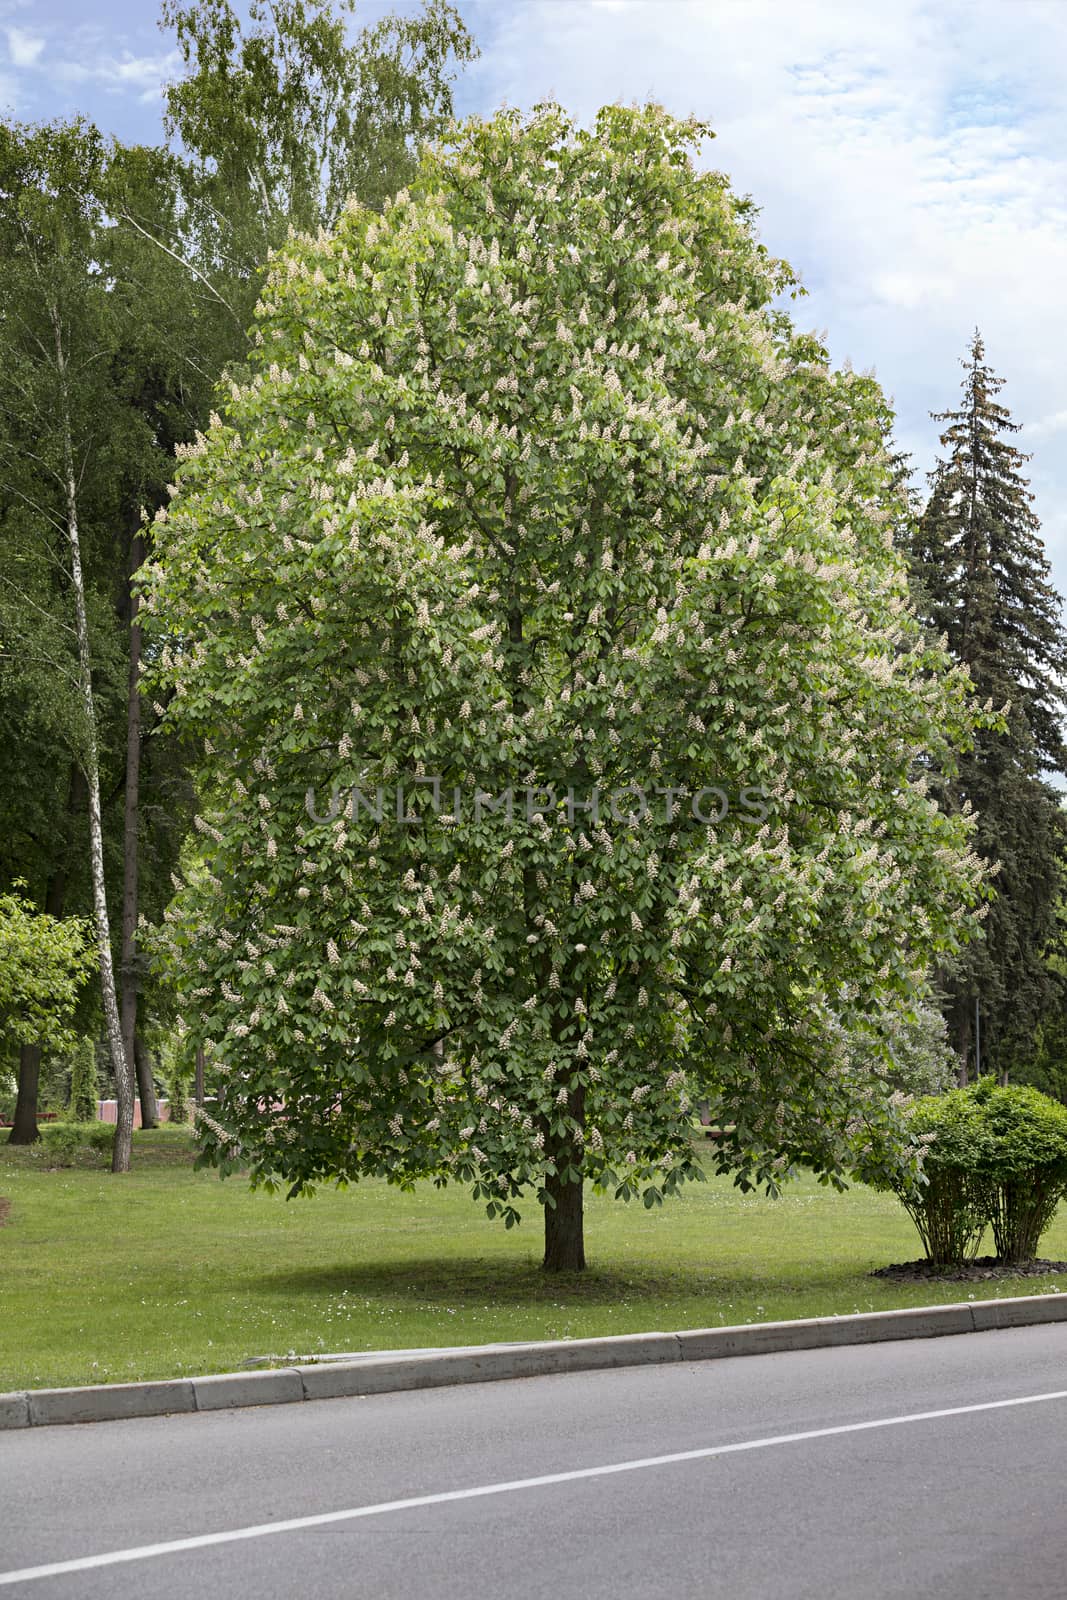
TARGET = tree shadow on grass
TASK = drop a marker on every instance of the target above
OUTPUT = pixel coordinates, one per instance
(483, 1280)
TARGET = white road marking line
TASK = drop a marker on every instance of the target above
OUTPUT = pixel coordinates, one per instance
(323, 1519)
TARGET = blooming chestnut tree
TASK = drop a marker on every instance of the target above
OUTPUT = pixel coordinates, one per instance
(534, 602)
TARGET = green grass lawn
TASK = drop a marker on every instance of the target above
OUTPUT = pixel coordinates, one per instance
(168, 1271)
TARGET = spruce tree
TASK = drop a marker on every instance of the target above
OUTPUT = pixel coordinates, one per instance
(982, 579)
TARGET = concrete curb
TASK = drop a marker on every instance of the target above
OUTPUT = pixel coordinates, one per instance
(276, 1387)
(392, 1373)
(106, 1402)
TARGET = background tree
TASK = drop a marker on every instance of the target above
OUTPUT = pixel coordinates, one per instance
(981, 569)
(43, 963)
(83, 1081)
(531, 488)
(166, 358)
(908, 1045)
(1044, 1066)
(42, 790)
(130, 392)
(286, 117)
(274, 123)
(60, 420)
(173, 244)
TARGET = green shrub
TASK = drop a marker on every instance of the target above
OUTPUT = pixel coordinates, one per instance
(992, 1155)
(66, 1141)
(1025, 1164)
(950, 1208)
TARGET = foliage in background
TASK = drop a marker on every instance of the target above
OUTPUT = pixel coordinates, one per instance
(54, 1085)
(62, 419)
(44, 962)
(907, 1044)
(67, 1144)
(1044, 1065)
(176, 1070)
(84, 1088)
(531, 485)
(1046, 1068)
(283, 118)
(160, 253)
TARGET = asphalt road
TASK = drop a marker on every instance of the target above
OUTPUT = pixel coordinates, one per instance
(879, 1500)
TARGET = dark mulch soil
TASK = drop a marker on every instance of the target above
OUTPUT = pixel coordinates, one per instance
(5, 1207)
(981, 1268)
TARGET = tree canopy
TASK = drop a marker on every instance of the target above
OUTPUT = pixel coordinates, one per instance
(534, 488)
(279, 117)
(43, 963)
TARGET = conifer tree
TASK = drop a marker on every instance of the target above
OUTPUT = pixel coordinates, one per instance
(981, 576)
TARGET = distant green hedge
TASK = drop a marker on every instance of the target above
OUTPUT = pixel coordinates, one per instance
(65, 1141)
(993, 1155)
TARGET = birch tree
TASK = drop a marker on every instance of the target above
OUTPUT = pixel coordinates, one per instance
(57, 337)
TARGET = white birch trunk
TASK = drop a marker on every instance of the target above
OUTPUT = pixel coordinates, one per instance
(120, 1160)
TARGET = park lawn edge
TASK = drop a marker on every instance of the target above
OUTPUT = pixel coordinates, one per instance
(165, 1273)
(394, 1373)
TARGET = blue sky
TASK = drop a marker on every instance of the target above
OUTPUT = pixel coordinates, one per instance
(910, 159)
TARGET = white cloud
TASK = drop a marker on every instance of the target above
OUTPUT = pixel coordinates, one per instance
(23, 48)
(909, 290)
(1055, 423)
(910, 160)
(142, 75)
